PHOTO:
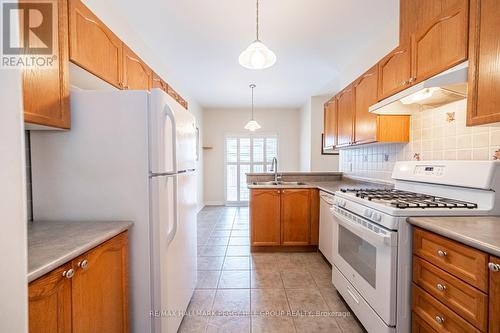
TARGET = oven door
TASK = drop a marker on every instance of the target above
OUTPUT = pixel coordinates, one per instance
(366, 254)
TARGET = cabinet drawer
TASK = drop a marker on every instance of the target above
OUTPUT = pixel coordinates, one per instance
(468, 302)
(418, 325)
(466, 263)
(438, 316)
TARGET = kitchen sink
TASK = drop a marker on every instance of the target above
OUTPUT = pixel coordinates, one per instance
(278, 183)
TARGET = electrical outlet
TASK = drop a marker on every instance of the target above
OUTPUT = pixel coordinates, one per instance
(386, 157)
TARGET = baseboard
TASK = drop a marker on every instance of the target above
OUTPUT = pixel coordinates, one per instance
(214, 203)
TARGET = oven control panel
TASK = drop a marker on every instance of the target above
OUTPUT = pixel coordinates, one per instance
(429, 170)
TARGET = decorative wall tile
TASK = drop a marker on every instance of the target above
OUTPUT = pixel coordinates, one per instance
(434, 135)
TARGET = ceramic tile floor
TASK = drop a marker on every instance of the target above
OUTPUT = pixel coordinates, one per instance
(260, 292)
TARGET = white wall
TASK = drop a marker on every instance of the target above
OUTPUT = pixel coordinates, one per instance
(114, 18)
(13, 238)
(219, 122)
(305, 136)
(311, 127)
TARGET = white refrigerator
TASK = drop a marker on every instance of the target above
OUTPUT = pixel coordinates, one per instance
(130, 155)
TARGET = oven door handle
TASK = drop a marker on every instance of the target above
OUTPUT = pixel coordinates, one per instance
(365, 233)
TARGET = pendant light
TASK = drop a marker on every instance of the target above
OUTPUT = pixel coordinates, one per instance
(252, 125)
(257, 55)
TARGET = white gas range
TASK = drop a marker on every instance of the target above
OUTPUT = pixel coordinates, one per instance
(372, 242)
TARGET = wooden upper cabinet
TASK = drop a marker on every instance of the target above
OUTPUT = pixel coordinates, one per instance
(295, 217)
(100, 288)
(365, 94)
(136, 74)
(345, 117)
(442, 43)
(49, 302)
(484, 63)
(93, 46)
(330, 124)
(46, 90)
(265, 217)
(394, 72)
(494, 296)
(159, 83)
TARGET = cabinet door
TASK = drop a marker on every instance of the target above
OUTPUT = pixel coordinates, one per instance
(100, 288)
(136, 74)
(265, 217)
(417, 14)
(295, 217)
(345, 116)
(92, 45)
(159, 83)
(330, 124)
(49, 300)
(46, 90)
(442, 43)
(314, 216)
(484, 63)
(365, 95)
(494, 297)
(394, 72)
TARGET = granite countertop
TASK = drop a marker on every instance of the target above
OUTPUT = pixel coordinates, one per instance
(53, 243)
(330, 186)
(480, 232)
(333, 186)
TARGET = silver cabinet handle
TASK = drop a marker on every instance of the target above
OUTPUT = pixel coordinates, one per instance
(441, 253)
(494, 267)
(69, 273)
(441, 287)
(84, 264)
(439, 320)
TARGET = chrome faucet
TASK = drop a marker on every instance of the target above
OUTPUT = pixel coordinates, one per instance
(274, 168)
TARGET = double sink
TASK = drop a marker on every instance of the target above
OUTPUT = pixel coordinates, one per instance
(278, 183)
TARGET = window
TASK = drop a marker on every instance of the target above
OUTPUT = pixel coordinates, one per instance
(244, 154)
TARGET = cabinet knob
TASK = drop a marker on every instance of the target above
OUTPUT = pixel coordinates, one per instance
(439, 320)
(494, 267)
(441, 287)
(84, 264)
(69, 273)
(441, 253)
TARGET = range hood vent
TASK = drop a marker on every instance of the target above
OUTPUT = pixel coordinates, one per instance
(444, 88)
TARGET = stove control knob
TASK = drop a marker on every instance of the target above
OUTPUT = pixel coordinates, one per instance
(377, 217)
(368, 213)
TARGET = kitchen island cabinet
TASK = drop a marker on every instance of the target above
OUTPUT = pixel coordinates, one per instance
(284, 217)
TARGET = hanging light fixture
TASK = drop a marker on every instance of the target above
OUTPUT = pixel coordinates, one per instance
(257, 55)
(252, 125)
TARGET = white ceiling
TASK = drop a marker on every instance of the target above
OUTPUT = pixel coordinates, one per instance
(319, 45)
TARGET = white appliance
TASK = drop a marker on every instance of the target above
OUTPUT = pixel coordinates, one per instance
(130, 155)
(372, 241)
(326, 225)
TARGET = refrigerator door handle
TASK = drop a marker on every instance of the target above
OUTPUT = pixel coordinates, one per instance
(171, 233)
(170, 114)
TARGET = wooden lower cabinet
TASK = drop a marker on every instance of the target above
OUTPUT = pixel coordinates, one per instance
(265, 217)
(91, 295)
(49, 299)
(284, 217)
(444, 299)
(295, 217)
(494, 306)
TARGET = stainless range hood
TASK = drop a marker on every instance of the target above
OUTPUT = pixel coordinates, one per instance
(444, 88)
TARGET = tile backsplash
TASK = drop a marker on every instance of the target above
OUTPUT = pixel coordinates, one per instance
(435, 134)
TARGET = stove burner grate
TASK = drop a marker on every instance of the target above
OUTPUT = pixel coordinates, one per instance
(404, 199)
